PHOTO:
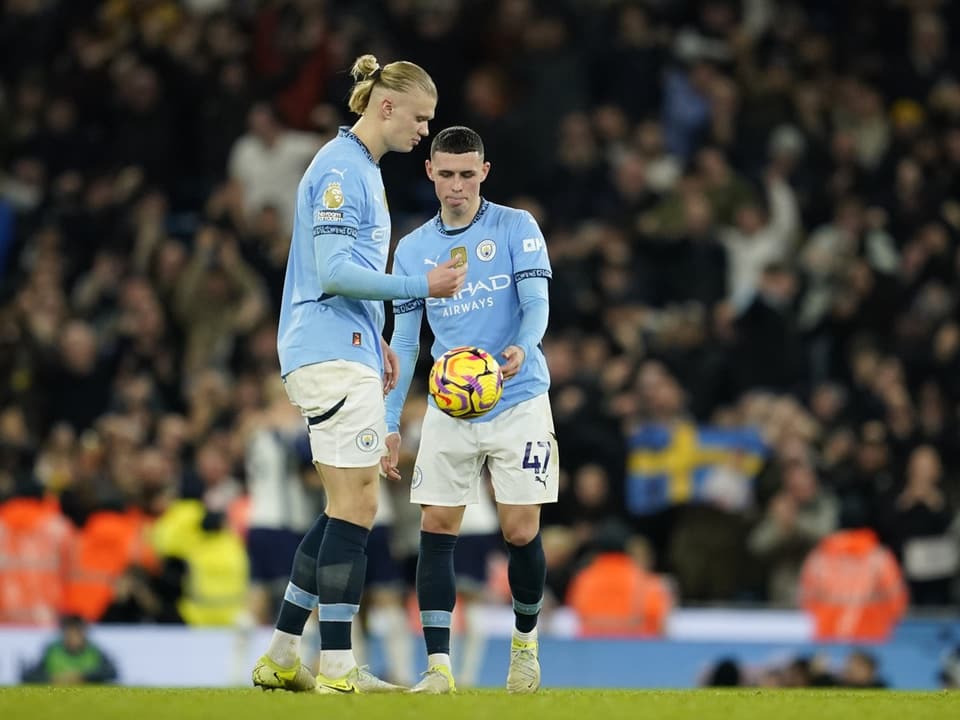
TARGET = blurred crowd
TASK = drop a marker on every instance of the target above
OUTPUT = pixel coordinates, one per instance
(752, 209)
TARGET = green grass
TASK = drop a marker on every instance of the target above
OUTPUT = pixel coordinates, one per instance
(40, 703)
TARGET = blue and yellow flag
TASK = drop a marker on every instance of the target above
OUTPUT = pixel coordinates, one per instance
(671, 465)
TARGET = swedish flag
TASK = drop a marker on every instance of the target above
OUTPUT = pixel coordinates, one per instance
(670, 465)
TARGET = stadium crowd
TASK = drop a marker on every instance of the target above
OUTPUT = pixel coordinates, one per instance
(752, 209)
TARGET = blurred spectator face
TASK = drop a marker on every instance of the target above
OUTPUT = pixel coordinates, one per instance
(591, 487)
(909, 176)
(864, 363)
(723, 97)
(577, 144)
(61, 116)
(712, 166)
(631, 175)
(859, 670)
(155, 476)
(843, 147)
(777, 285)
(122, 470)
(486, 93)
(79, 347)
(649, 138)
(74, 636)
(247, 393)
(213, 466)
(634, 24)
(873, 453)
(697, 214)
(701, 77)
(170, 261)
(951, 143)
(827, 402)
(62, 439)
(262, 124)
(172, 434)
(13, 427)
(661, 393)
(559, 546)
(946, 342)
(142, 90)
(545, 33)
(800, 481)
(924, 467)
(927, 35)
(749, 219)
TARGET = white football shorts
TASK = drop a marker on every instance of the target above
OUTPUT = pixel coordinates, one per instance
(342, 402)
(519, 447)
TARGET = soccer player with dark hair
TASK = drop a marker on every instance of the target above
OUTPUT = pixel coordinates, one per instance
(502, 308)
(336, 367)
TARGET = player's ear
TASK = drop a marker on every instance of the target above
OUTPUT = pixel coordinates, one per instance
(386, 108)
(429, 168)
(486, 171)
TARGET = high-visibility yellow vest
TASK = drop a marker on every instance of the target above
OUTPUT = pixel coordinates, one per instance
(215, 588)
(216, 584)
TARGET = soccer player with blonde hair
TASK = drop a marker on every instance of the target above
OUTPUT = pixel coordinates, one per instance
(336, 367)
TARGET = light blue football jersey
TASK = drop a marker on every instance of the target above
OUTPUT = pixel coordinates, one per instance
(503, 247)
(341, 217)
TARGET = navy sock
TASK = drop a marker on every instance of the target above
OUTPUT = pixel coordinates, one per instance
(527, 573)
(341, 568)
(301, 595)
(436, 589)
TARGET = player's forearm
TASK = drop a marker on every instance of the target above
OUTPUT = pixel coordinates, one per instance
(534, 313)
(350, 280)
(339, 275)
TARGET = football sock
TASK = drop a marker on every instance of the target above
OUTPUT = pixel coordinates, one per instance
(527, 573)
(436, 590)
(439, 659)
(299, 599)
(341, 567)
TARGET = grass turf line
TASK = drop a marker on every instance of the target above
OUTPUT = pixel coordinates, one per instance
(108, 703)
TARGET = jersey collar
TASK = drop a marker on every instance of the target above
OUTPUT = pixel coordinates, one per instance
(345, 132)
(456, 231)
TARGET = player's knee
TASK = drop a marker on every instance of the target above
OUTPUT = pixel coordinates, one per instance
(520, 533)
(440, 522)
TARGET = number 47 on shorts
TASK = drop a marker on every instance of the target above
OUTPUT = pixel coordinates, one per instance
(532, 462)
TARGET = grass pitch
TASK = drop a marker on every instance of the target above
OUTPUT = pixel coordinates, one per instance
(107, 703)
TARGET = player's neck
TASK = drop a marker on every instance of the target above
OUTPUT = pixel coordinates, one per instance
(371, 138)
(450, 220)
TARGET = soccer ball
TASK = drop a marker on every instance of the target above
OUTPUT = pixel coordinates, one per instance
(466, 382)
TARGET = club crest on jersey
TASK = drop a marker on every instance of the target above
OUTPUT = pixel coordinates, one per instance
(367, 439)
(486, 250)
(333, 196)
(417, 477)
(459, 254)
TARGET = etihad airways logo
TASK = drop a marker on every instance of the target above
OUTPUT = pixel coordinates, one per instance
(473, 296)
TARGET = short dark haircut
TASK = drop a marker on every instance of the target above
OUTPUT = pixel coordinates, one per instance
(457, 140)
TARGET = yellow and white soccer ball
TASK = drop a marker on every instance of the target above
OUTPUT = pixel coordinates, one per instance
(466, 382)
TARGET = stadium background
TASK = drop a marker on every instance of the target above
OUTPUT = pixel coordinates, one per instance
(752, 213)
